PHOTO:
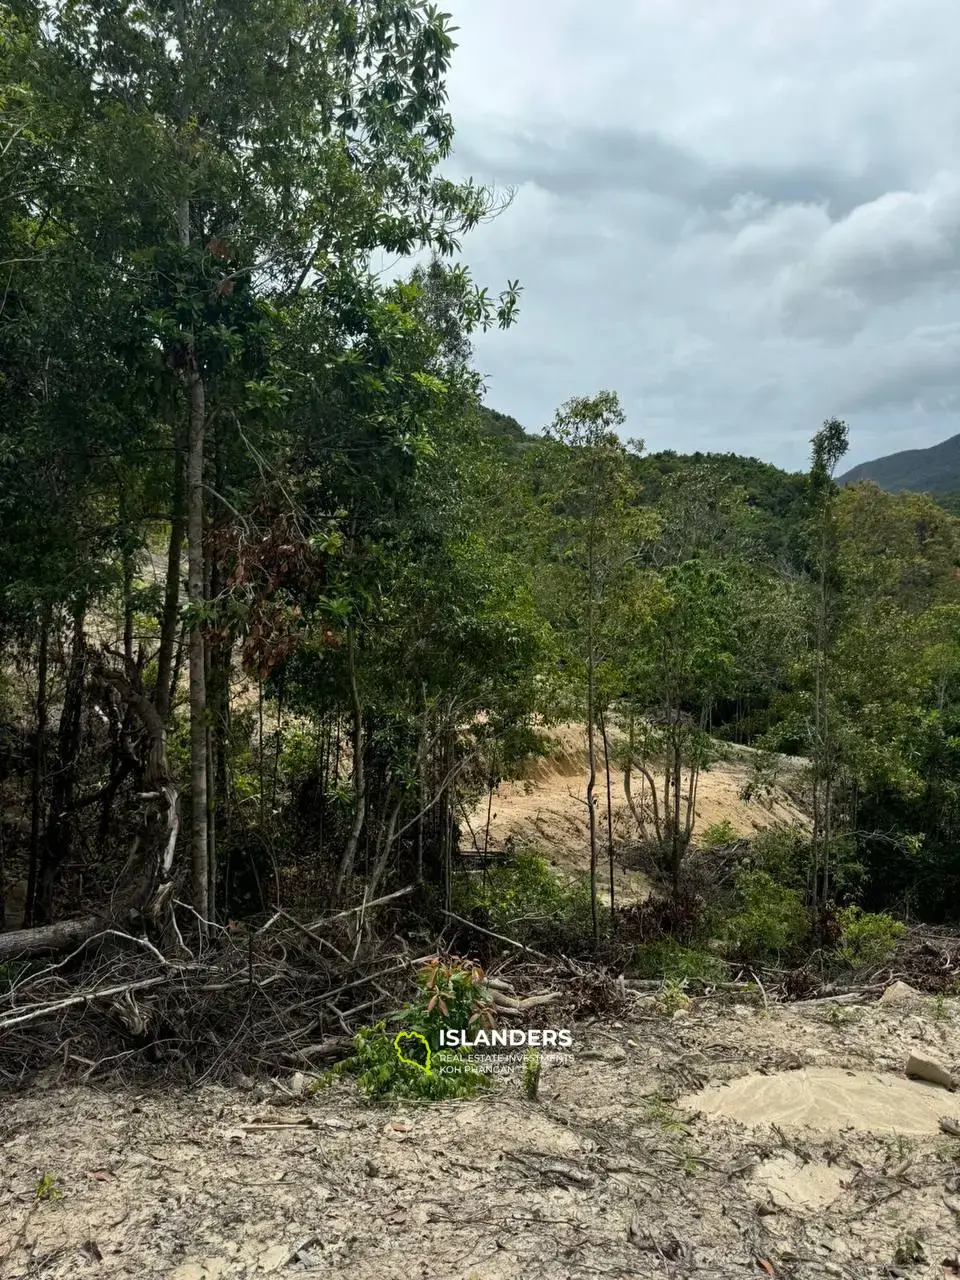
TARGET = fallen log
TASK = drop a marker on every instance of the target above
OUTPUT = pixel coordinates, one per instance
(47, 937)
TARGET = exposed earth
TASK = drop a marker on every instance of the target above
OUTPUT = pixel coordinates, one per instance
(728, 1139)
(546, 808)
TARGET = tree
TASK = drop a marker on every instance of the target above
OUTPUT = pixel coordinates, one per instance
(591, 531)
(683, 659)
(828, 446)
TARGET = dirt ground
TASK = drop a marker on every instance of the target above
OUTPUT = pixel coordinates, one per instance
(725, 1140)
(547, 807)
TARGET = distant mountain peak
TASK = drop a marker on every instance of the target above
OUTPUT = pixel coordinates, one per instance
(934, 470)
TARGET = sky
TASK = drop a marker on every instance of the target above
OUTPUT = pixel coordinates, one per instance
(742, 216)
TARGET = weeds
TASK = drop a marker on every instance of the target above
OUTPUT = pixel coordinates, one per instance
(672, 996)
(658, 1111)
(669, 960)
(47, 1189)
(531, 1075)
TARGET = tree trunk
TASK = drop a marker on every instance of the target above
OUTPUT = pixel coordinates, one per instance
(163, 693)
(145, 895)
(591, 798)
(196, 426)
(197, 659)
(36, 787)
(58, 836)
(359, 775)
(606, 768)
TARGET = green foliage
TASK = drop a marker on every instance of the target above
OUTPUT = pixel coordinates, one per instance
(669, 960)
(526, 900)
(717, 835)
(450, 996)
(47, 1189)
(784, 854)
(771, 920)
(867, 939)
(672, 996)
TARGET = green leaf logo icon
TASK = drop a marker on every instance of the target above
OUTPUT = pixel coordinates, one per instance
(398, 1044)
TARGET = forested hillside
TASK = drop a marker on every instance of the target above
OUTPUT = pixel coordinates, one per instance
(281, 599)
(934, 470)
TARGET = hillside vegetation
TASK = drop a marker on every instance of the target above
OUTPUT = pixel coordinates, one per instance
(933, 470)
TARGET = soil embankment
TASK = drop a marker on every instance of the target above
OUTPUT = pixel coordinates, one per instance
(546, 809)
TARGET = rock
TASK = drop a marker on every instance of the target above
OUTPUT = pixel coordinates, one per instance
(899, 993)
(926, 1069)
(274, 1258)
(616, 1054)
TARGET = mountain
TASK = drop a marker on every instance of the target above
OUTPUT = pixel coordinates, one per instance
(935, 470)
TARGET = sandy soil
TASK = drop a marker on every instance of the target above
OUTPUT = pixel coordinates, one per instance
(547, 807)
(728, 1140)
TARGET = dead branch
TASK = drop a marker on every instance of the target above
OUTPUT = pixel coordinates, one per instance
(510, 942)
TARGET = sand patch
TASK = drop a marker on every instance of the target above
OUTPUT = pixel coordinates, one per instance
(789, 1183)
(828, 1099)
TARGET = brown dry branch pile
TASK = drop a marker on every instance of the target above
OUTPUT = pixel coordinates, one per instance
(253, 999)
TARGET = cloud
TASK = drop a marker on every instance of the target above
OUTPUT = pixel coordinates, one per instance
(744, 218)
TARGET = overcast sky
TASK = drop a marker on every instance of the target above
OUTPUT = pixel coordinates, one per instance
(741, 215)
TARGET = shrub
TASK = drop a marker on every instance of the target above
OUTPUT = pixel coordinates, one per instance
(771, 919)
(783, 853)
(527, 901)
(717, 835)
(867, 939)
(450, 996)
(669, 960)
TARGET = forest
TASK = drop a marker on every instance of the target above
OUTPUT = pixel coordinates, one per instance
(282, 599)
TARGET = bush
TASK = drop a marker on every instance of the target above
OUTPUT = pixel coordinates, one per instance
(771, 919)
(669, 960)
(717, 835)
(867, 940)
(450, 996)
(525, 900)
(784, 854)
